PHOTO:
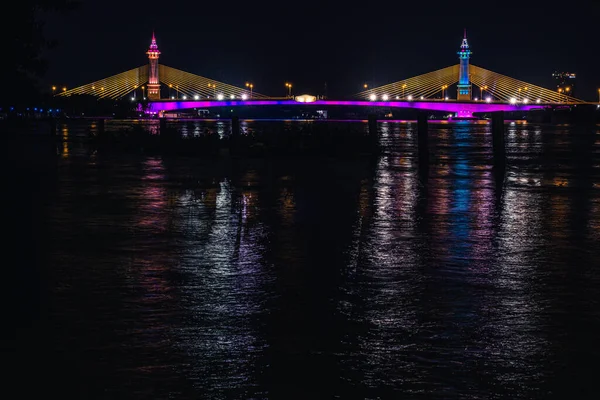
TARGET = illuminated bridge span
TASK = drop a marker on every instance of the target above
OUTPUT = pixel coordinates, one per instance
(147, 80)
(491, 87)
(496, 92)
(459, 108)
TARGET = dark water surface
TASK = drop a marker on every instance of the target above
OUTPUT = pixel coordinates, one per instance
(145, 277)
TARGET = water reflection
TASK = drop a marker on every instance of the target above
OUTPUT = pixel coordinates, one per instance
(192, 278)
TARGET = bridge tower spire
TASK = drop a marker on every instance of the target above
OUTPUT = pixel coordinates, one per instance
(464, 81)
(153, 82)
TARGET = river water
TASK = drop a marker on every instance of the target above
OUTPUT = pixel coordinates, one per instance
(148, 277)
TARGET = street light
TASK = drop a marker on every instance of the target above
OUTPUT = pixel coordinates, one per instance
(481, 89)
(403, 87)
(143, 94)
(251, 86)
(598, 96)
(64, 89)
(366, 86)
(289, 86)
(170, 90)
(214, 87)
(560, 90)
(54, 89)
(444, 87)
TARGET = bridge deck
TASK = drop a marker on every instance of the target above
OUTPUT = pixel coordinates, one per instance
(461, 108)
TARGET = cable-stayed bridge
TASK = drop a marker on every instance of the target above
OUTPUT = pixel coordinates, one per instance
(478, 90)
(182, 85)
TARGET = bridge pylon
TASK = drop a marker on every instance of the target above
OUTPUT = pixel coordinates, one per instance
(464, 78)
(153, 77)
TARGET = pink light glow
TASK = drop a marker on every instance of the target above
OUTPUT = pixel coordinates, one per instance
(447, 106)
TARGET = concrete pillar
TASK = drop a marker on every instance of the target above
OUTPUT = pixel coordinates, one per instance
(423, 139)
(235, 126)
(101, 127)
(498, 141)
(373, 133)
(373, 125)
(52, 127)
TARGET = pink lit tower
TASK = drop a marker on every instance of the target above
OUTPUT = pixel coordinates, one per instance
(153, 82)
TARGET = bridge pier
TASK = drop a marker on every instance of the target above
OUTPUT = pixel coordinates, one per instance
(235, 126)
(498, 141)
(423, 141)
(53, 127)
(372, 125)
(101, 132)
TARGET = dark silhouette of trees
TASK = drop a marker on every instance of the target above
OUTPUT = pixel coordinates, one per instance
(23, 41)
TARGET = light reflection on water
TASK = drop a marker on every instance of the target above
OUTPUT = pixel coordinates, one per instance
(321, 278)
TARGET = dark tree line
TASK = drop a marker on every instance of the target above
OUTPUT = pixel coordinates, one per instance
(23, 42)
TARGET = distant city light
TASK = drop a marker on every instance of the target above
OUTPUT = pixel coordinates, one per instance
(244, 96)
(196, 97)
(513, 100)
(219, 96)
(373, 97)
(385, 97)
(410, 97)
(132, 98)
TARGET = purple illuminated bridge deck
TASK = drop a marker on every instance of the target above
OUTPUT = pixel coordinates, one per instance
(462, 109)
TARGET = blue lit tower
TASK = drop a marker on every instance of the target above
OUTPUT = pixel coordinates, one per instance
(153, 83)
(464, 83)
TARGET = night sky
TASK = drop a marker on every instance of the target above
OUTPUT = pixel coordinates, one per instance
(342, 44)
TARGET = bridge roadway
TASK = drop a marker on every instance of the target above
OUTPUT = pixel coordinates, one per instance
(462, 109)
